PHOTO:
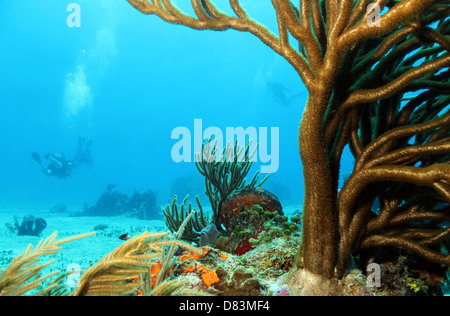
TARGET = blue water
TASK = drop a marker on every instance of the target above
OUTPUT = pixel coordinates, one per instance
(126, 81)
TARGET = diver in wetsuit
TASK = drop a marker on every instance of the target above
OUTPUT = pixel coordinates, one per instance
(58, 166)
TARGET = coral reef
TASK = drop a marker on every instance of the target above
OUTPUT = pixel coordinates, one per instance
(253, 216)
(175, 216)
(240, 283)
(405, 274)
(382, 92)
(209, 235)
(272, 227)
(189, 262)
(241, 200)
(112, 203)
(225, 183)
(149, 264)
(214, 272)
(30, 226)
(225, 173)
(380, 87)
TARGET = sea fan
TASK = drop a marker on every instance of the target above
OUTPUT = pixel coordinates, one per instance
(23, 274)
(127, 269)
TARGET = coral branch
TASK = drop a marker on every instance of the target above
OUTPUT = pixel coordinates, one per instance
(411, 245)
(397, 15)
(23, 274)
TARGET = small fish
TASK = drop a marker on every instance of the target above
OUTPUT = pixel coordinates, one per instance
(124, 237)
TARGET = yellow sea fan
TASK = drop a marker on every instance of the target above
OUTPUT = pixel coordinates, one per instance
(127, 269)
(118, 273)
(23, 274)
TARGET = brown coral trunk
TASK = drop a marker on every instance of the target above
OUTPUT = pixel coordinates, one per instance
(319, 225)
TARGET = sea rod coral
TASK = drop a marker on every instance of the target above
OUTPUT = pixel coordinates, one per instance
(377, 84)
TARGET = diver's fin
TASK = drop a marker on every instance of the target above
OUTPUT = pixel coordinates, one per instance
(36, 157)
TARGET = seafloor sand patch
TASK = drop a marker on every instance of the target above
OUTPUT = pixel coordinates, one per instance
(81, 252)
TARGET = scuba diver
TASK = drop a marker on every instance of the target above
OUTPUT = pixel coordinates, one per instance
(83, 155)
(58, 166)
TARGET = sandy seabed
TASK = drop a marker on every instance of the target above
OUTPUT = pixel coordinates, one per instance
(79, 253)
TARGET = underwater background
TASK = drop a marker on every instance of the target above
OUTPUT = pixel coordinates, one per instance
(125, 81)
